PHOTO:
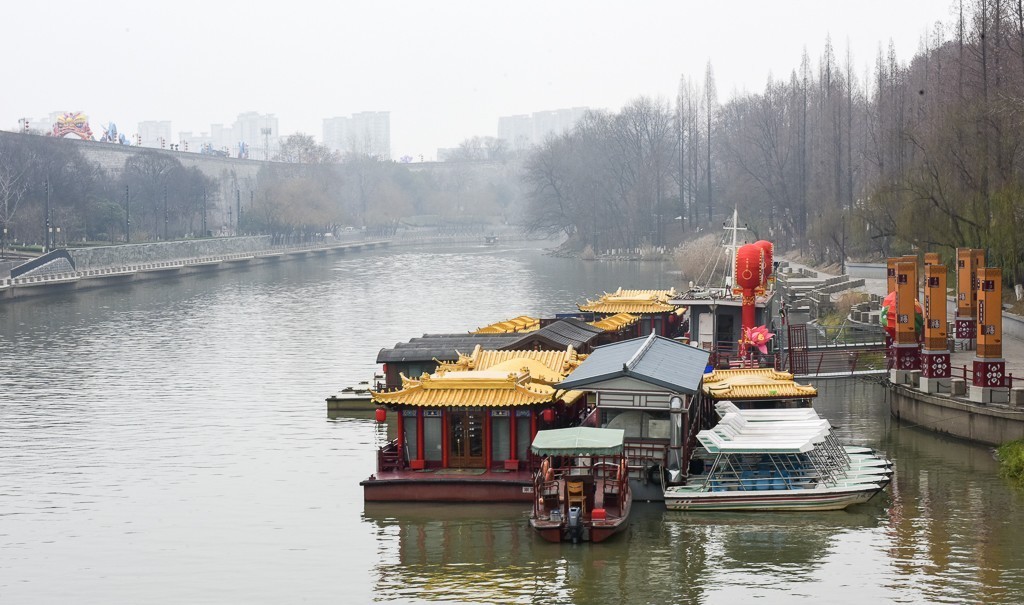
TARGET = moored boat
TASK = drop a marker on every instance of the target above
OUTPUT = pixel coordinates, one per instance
(778, 460)
(582, 486)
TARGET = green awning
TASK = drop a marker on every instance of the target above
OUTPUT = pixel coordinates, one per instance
(578, 441)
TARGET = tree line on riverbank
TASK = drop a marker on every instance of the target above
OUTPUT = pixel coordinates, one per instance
(832, 159)
(47, 184)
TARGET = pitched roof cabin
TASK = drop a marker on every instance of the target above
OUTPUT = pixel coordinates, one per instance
(656, 314)
(471, 422)
(758, 388)
(649, 387)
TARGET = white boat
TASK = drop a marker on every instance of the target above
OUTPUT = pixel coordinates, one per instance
(778, 460)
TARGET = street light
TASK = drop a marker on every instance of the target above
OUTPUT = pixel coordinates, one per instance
(266, 132)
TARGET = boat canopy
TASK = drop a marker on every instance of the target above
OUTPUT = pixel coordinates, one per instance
(578, 441)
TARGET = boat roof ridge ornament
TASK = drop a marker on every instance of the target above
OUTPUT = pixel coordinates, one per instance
(626, 367)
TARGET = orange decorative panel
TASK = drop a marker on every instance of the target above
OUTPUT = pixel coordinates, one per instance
(906, 296)
(934, 306)
(990, 313)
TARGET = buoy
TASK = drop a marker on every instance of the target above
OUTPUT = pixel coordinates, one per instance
(381, 415)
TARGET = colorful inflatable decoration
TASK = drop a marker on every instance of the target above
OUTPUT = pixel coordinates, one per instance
(110, 135)
(756, 337)
(76, 124)
(887, 321)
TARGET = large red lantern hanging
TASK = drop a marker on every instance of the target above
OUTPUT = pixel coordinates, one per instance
(750, 275)
(548, 415)
(380, 415)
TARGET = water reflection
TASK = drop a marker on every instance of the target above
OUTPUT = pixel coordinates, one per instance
(168, 444)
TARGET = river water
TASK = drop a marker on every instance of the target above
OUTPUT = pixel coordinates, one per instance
(168, 443)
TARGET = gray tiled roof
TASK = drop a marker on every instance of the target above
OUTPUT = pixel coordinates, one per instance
(656, 360)
(561, 333)
(444, 347)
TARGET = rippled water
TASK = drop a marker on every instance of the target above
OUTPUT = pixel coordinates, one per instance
(169, 444)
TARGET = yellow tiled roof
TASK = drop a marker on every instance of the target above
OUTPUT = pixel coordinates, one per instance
(523, 323)
(632, 301)
(758, 383)
(615, 322)
(496, 388)
(545, 366)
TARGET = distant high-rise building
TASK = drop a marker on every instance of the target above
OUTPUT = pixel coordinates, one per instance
(524, 131)
(257, 131)
(155, 134)
(367, 132)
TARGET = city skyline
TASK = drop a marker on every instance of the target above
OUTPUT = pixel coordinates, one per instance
(445, 73)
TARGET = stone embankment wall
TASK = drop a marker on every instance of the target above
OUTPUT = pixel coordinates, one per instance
(87, 259)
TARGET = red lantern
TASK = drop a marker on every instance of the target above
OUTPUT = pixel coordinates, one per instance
(749, 266)
(769, 253)
(749, 276)
(548, 415)
(380, 415)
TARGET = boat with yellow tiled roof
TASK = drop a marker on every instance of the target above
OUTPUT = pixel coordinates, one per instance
(463, 432)
(521, 324)
(652, 309)
(758, 388)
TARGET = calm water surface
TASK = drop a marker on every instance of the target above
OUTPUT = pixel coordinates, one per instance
(169, 444)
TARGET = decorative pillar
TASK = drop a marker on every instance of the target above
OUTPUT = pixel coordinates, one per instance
(420, 447)
(400, 427)
(444, 437)
(512, 435)
(989, 365)
(935, 362)
(906, 352)
(488, 454)
(968, 261)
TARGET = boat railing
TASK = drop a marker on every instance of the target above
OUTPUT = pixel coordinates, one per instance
(643, 455)
(389, 457)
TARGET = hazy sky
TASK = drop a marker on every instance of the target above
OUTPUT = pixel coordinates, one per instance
(445, 69)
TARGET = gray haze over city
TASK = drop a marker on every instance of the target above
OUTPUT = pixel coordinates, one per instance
(444, 71)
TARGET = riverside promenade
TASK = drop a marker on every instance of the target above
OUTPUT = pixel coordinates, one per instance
(953, 412)
(59, 272)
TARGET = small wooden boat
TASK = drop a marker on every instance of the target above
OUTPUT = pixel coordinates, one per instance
(778, 460)
(582, 488)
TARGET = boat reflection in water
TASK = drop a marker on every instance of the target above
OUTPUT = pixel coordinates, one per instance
(489, 554)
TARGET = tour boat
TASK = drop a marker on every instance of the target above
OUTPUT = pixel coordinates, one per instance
(582, 488)
(786, 459)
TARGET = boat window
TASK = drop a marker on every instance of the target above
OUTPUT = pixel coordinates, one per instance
(432, 438)
(500, 438)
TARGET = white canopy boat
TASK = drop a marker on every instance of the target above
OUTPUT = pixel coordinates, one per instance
(778, 460)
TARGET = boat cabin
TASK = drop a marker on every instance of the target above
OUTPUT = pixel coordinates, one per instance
(656, 313)
(650, 388)
(714, 317)
(473, 419)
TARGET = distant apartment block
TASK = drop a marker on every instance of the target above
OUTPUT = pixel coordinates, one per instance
(259, 132)
(155, 134)
(525, 131)
(367, 132)
(253, 135)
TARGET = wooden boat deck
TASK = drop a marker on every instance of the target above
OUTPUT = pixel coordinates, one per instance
(449, 485)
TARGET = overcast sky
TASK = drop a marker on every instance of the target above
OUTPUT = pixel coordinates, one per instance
(446, 70)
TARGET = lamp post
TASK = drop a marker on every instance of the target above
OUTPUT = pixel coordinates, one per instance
(127, 217)
(266, 132)
(3, 244)
(46, 228)
(165, 212)
(204, 212)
